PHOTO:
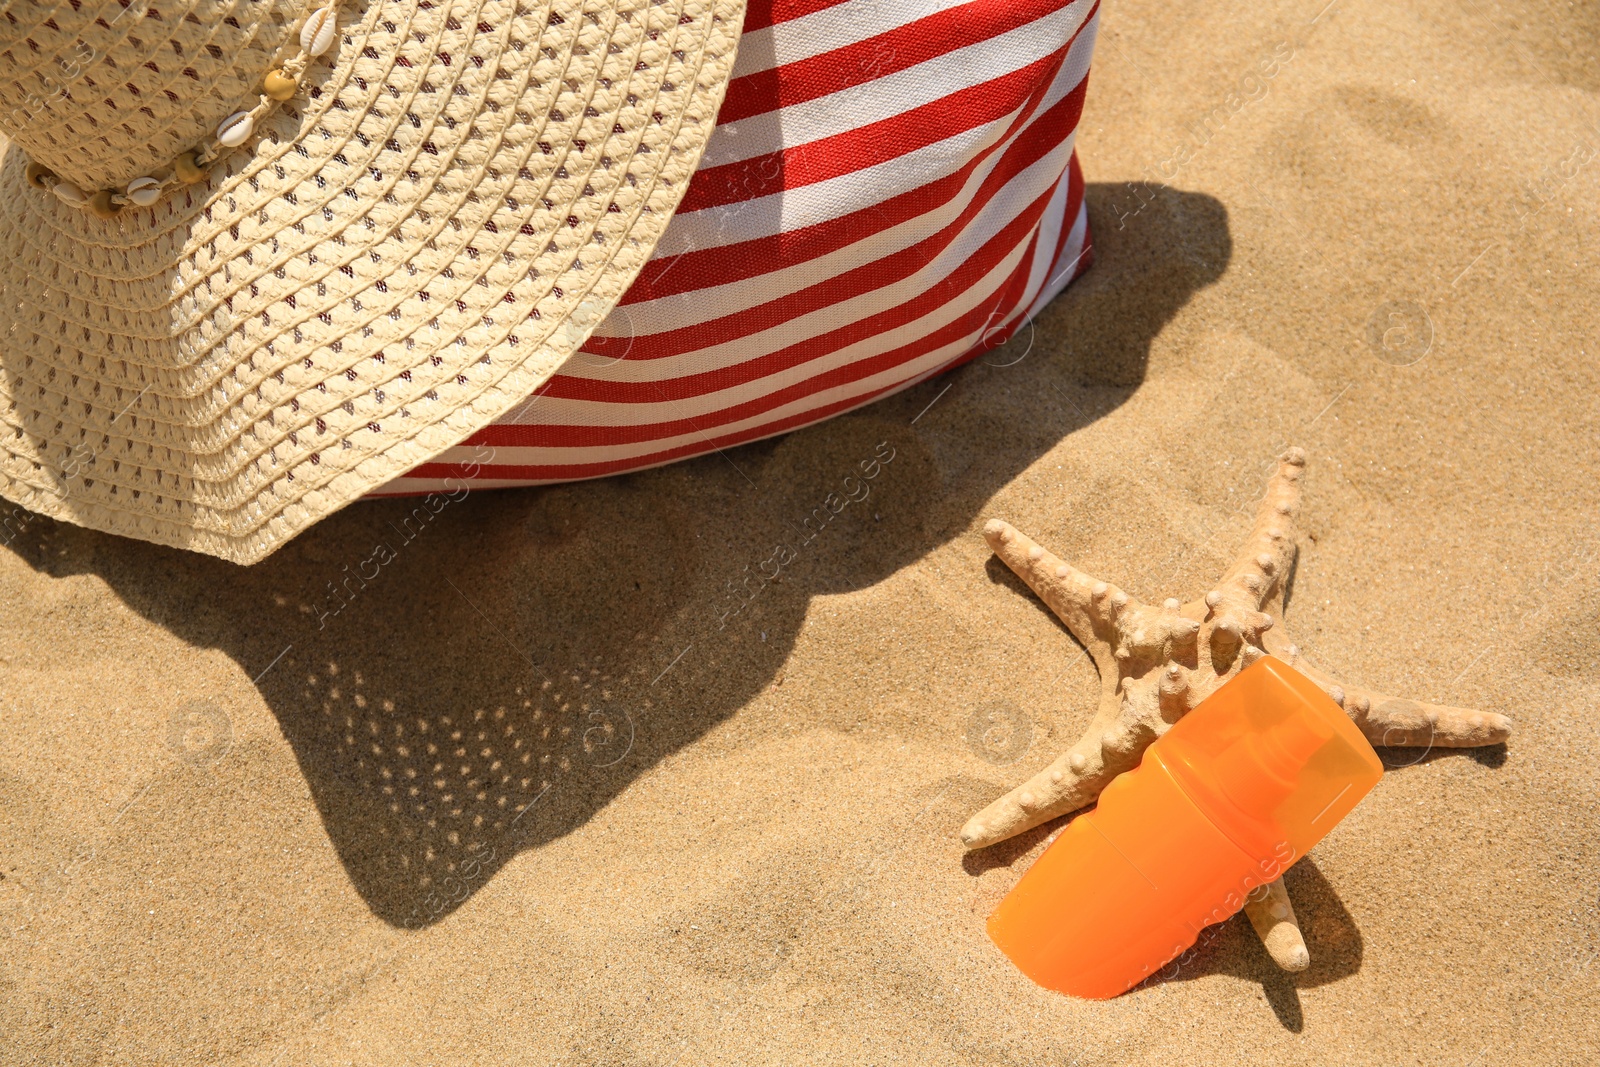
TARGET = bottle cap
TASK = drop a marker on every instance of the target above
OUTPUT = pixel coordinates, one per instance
(1272, 760)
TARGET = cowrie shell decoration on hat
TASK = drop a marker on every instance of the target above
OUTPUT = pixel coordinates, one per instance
(279, 84)
(260, 256)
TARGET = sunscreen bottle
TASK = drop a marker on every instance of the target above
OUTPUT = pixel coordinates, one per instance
(1240, 787)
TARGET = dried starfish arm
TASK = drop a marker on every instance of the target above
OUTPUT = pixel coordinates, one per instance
(1087, 607)
(1239, 610)
(1264, 567)
(1108, 623)
(1272, 915)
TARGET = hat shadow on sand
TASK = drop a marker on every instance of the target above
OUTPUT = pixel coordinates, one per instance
(526, 654)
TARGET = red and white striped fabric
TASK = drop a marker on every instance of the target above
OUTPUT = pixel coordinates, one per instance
(891, 189)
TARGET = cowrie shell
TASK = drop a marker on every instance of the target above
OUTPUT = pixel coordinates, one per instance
(235, 129)
(316, 36)
(144, 191)
(70, 194)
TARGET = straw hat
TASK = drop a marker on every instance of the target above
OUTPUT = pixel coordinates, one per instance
(260, 256)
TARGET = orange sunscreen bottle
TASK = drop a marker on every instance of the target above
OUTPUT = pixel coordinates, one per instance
(1237, 790)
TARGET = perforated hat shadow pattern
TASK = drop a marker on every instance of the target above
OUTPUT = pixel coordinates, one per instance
(407, 249)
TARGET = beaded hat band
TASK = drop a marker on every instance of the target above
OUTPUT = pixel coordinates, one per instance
(259, 311)
(278, 85)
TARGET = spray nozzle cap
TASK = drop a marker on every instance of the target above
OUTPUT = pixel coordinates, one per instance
(1260, 770)
(1269, 756)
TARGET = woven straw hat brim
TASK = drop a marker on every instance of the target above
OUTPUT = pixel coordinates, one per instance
(406, 255)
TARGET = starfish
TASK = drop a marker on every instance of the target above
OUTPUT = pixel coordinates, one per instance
(1156, 663)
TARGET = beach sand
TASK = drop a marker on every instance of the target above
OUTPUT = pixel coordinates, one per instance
(569, 783)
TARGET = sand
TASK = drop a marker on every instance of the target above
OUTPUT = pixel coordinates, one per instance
(238, 827)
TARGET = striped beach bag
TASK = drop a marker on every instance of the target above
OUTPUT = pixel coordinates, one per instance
(891, 189)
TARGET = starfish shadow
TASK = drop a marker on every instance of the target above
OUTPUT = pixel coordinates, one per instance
(1491, 756)
(517, 658)
(1008, 852)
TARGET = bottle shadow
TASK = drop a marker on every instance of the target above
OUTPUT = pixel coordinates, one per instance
(463, 679)
(1231, 947)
